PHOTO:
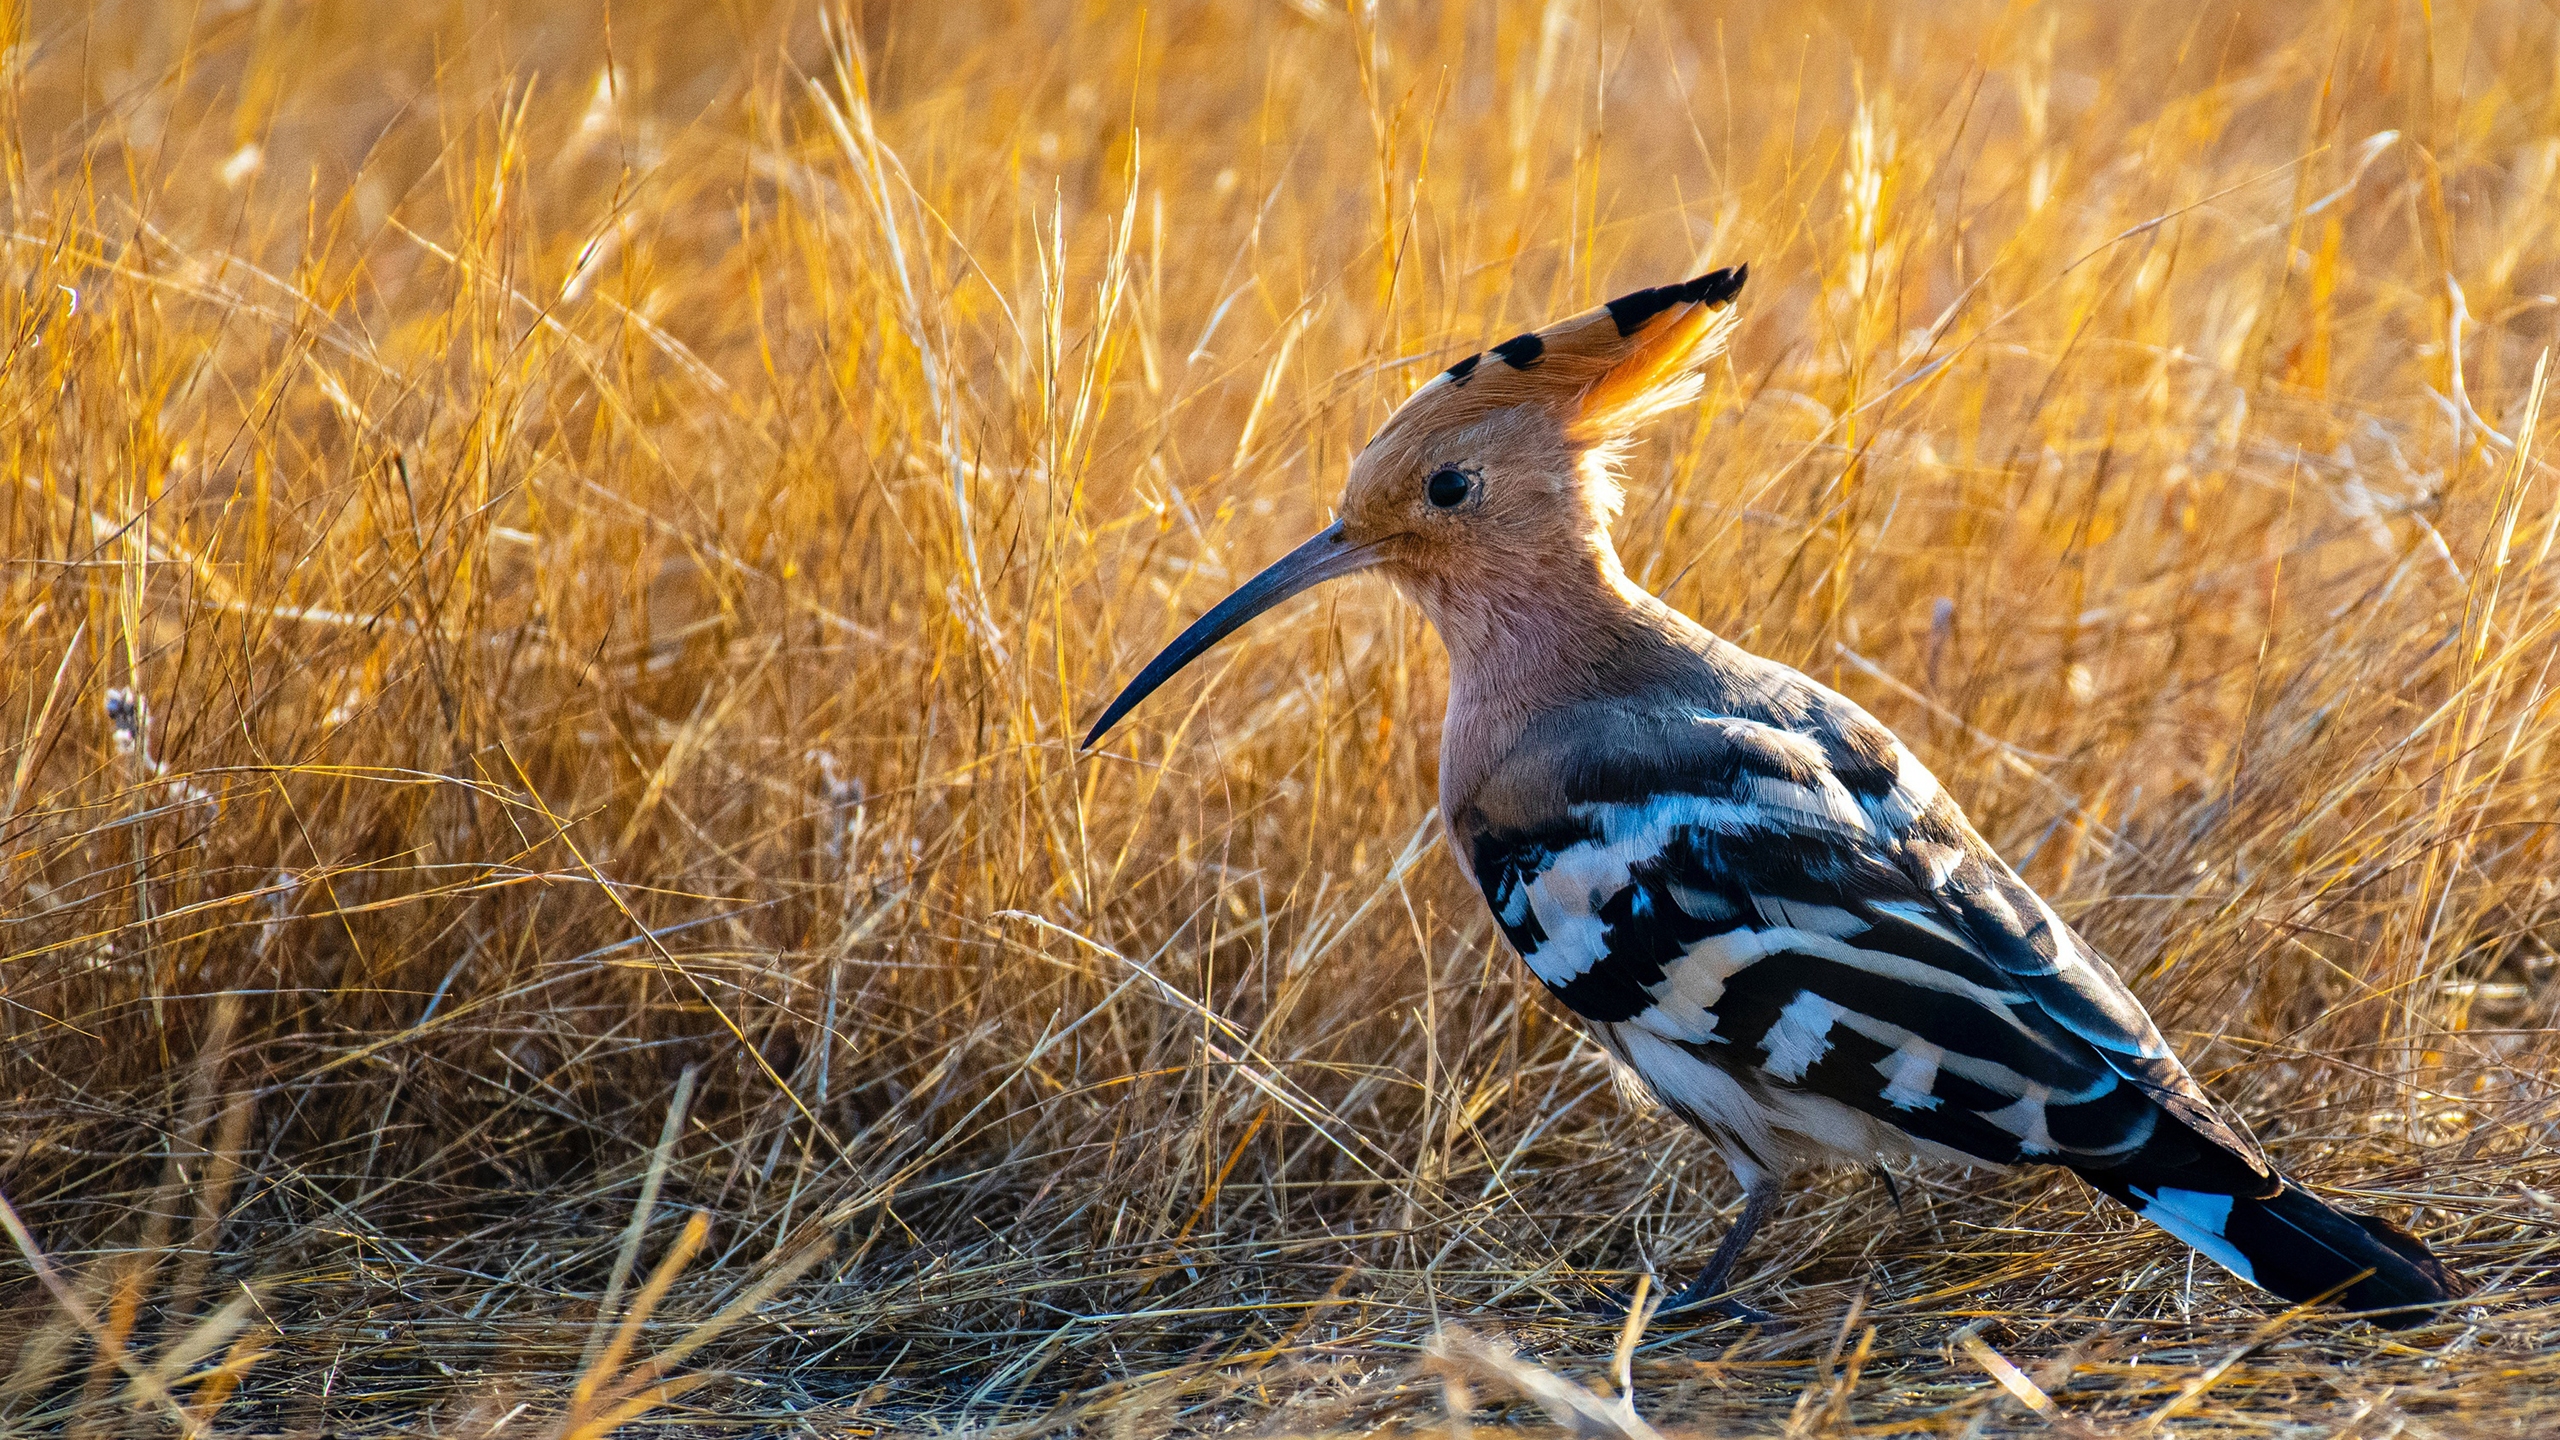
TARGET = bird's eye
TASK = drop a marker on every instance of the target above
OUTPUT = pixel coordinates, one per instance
(1448, 488)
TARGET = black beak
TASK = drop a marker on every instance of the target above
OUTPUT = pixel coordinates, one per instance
(1322, 558)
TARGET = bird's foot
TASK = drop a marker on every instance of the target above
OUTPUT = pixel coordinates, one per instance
(1693, 1301)
(1723, 1305)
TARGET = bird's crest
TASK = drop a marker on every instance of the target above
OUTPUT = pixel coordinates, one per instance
(1602, 372)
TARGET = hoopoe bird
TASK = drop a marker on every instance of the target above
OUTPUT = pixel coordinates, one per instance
(1755, 897)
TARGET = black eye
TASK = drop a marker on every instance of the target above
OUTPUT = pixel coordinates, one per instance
(1447, 488)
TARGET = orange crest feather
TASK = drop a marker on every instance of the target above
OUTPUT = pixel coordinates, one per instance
(1605, 370)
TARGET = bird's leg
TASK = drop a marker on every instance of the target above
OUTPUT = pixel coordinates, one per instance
(1707, 1291)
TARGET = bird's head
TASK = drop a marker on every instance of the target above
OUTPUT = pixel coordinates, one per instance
(1500, 468)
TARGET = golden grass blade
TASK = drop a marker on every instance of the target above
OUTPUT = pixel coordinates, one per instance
(1622, 1360)
(2018, 1383)
(31, 739)
(754, 1298)
(123, 1286)
(608, 1362)
(642, 1210)
(1577, 1410)
(206, 1335)
(2204, 1381)
(215, 1387)
(625, 1411)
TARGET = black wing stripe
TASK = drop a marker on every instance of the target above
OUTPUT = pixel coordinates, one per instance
(1992, 1047)
(1932, 946)
(1881, 1009)
(1642, 937)
(1804, 910)
(1859, 1069)
(1864, 958)
(2017, 931)
(1811, 1021)
(1849, 1072)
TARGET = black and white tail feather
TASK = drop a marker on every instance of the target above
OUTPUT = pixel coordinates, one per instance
(1768, 910)
(2296, 1245)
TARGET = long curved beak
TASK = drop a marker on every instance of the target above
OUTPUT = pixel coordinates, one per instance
(1324, 557)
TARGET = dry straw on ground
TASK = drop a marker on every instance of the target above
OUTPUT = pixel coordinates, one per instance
(550, 559)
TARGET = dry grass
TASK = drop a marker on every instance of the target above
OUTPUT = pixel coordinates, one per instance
(553, 556)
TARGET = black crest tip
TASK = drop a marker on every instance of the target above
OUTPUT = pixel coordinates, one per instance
(1520, 351)
(1718, 286)
(1632, 311)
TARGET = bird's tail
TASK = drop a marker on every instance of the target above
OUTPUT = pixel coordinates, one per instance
(2293, 1243)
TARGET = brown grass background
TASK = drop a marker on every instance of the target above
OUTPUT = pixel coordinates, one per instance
(615, 515)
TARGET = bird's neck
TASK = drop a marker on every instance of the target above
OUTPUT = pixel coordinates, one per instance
(1523, 639)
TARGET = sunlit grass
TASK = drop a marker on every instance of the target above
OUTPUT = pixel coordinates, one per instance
(552, 560)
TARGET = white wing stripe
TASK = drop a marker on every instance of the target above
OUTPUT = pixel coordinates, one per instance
(2197, 1218)
(1914, 791)
(1829, 805)
(2026, 1120)
(1801, 1036)
(1776, 805)
(1909, 1073)
(1921, 917)
(1568, 894)
(1994, 1003)
(1917, 1062)
(1990, 1074)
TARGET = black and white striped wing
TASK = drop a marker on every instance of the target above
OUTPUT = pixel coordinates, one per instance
(1808, 914)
